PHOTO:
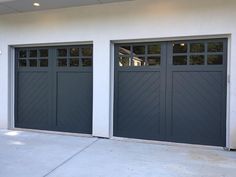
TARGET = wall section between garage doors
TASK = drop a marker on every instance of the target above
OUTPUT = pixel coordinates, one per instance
(68, 102)
(203, 70)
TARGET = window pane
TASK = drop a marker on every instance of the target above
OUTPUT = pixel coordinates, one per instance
(87, 51)
(61, 52)
(44, 63)
(22, 63)
(153, 61)
(23, 54)
(139, 50)
(86, 62)
(33, 53)
(74, 52)
(180, 48)
(197, 60)
(215, 59)
(180, 60)
(124, 61)
(62, 62)
(215, 47)
(197, 48)
(33, 63)
(154, 49)
(138, 61)
(43, 52)
(125, 50)
(74, 62)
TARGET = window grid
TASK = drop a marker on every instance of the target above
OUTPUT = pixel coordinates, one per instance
(131, 56)
(69, 58)
(206, 54)
(29, 60)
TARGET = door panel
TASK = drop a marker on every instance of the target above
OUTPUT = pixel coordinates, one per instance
(139, 105)
(72, 113)
(196, 92)
(139, 91)
(196, 107)
(33, 100)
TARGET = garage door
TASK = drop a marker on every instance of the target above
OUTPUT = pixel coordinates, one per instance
(171, 91)
(54, 88)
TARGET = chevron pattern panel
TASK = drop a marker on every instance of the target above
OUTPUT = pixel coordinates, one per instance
(139, 104)
(33, 100)
(74, 102)
(197, 106)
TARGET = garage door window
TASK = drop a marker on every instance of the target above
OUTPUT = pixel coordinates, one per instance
(86, 62)
(23, 54)
(75, 57)
(215, 59)
(197, 60)
(154, 49)
(197, 47)
(74, 52)
(153, 61)
(87, 51)
(198, 53)
(139, 55)
(124, 61)
(22, 63)
(22, 58)
(139, 50)
(180, 60)
(180, 48)
(33, 58)
(215, 47)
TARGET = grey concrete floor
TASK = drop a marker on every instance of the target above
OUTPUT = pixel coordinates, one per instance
(28, 154)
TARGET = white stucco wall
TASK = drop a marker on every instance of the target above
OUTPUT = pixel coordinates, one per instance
(141, 19)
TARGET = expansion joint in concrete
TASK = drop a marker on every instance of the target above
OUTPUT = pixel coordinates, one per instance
(70, 158)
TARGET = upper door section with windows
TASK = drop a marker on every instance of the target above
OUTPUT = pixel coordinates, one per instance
(73, 57)
(32, 58)
(199, 53)
(80, 56)
(139, 55)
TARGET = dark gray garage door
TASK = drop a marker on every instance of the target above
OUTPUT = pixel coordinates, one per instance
(54, 88)
(172, 91)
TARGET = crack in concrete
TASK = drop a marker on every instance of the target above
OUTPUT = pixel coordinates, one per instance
(70, 158)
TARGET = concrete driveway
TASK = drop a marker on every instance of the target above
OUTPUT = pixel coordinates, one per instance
(28, 154)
